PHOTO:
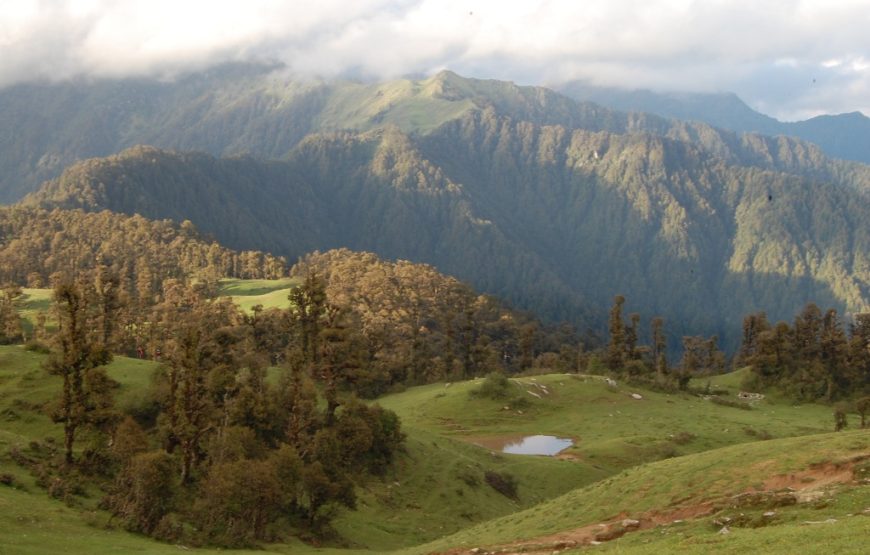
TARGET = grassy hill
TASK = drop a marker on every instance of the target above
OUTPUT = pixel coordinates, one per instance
(611, 429)
(827, 475)
(437, 492)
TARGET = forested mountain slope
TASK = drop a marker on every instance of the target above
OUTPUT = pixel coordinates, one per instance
(263, 112)
(37, 245)
(555, 219)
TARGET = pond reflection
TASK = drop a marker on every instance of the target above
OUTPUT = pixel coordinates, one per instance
(538, 445)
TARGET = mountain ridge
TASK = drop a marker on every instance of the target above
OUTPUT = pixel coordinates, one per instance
(552, 219)
(260, 111)
(845, 135)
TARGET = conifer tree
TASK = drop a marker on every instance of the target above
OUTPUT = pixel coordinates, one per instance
(659, 347)
(77, 351)
(615, 356)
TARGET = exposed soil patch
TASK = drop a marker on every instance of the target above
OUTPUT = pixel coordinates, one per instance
(811, 479)
(816, 478)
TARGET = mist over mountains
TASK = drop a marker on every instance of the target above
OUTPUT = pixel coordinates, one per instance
(845, 136)
(551, 203)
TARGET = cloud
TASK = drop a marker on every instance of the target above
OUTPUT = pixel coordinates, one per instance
(768, 52)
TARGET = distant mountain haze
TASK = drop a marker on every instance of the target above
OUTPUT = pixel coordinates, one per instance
(845, 136)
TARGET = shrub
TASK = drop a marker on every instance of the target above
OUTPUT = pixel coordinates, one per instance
(496, 386)
(729, 403)
(502, 482)
(144, 491)
(760, 434)
(35, 346)
(683, 438)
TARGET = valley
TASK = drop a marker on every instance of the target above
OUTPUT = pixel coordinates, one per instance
(242, 312)
(651, 459)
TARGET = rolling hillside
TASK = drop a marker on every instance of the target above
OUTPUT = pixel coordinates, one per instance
(699, 456)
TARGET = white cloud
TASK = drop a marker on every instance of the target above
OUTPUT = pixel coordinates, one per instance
(747, 46)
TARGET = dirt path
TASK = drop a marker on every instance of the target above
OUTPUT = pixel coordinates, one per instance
(802, 484)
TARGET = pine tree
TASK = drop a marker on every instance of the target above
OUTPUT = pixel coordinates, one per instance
(631, 333)
(615, 356)
(77, 351)
(659, 347)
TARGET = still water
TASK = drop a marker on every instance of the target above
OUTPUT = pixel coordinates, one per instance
(538, 445)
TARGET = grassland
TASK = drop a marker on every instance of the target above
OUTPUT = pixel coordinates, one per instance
(247, 293)
(680, 484)
(412, 106)
(611, 429)
(32, 302)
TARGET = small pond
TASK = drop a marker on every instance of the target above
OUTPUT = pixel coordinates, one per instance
(537, 445)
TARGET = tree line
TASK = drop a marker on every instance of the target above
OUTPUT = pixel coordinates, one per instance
(626, 355)
(817, 357)
(39, 246)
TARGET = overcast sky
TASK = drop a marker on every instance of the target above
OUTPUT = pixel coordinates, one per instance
(790, 59)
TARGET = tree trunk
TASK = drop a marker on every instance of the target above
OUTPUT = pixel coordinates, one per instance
(69, 436)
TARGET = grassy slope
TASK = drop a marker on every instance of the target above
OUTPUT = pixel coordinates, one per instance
(612, 431)
(790, 533)
(247, 293)
(32, 302)
(271, 293)
(685, 482)
(412, 106)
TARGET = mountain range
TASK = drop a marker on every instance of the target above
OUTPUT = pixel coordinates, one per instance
(552, 203)
(845, 136)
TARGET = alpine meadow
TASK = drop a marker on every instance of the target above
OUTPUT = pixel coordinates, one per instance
(245, 308)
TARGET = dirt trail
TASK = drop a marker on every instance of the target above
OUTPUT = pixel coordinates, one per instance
(814, 479)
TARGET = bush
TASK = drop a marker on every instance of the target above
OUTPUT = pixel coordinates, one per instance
(144, 491)
(35, 346)
(469, 478)
(683, 438)
(502, 482)
(496, 386)
(760, 434)
(729, 403)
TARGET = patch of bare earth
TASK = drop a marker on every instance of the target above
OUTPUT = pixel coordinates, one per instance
(799, 486)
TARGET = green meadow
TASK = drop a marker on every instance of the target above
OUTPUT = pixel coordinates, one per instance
(248, 293)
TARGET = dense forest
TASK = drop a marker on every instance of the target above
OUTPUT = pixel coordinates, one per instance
(36, 246)
(815, 358)
(517, 190)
